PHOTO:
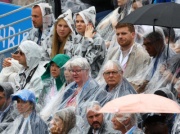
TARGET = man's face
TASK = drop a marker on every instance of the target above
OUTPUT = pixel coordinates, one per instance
(149, 46)
(21, 58)
(37, 17)
(80, 25)
(2, 100)
(95, 119)
(112, 75)
(125, 38)
(55, 70)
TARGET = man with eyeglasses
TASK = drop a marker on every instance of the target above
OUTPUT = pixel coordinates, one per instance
(114, 86)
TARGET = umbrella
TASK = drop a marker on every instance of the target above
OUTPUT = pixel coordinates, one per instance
(160, 14)
(141, 103)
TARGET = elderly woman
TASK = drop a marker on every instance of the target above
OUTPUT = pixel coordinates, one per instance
(126, 123)
(80, 91)
(53, 78)
(63, 121)
(28, 121)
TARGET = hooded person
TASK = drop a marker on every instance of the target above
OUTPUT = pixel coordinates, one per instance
(106, 26)
(53, 78)
(61, 35)
(43, 19)
(88, 43)
(65, 122)
(29, 56)
(97, 123)
(114, 84)
(7, 111)
(28, 122)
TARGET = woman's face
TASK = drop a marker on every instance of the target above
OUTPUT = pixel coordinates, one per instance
(55, 70)
(24, 107)
(62, 29)
(80, 25)
(68, 75)
(56, 125)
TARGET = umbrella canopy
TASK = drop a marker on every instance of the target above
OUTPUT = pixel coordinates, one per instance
(141, 103)
(160, 14)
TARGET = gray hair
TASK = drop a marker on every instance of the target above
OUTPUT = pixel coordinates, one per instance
(81, 62)
(132, 116)
(111, 63)
(7, 88)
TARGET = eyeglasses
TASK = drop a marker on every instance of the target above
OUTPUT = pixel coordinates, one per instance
(19, 52)
(111, 72)
(76, 71)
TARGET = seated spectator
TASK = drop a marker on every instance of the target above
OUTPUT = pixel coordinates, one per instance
(96, 120)
(7, 111)
(53, 79)
(28, 121)
(115, 84)
(154, 43)
(63, 121)
(29, 56)
(155, 124)
(126, 123)
(60, 40)
(88, 43)
(67, 73)
(80, 91)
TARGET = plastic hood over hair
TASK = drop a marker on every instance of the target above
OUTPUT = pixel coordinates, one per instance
(47, 13)
(8, 88)
(68, 117)
(25, 95)
(88, 15)
(32, 53)
(67, 16)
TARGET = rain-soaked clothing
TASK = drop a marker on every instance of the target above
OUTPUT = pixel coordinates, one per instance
(93, 49)
(33, 124)
(67, 16)
(30, 77)
(106, 128)
(137, 60)
(80, 99)
(52, 85)
(103, 95)
(38, 36)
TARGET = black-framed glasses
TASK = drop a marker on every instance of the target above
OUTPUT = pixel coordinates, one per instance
(19, 52)
(111, 72)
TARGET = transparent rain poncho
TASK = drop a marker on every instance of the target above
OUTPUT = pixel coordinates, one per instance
(7, 112)
(106, 125)
(131, 120)
(121, 87)
(52, 85)
(78, 92)
(150, 72)
(106, 27)
(28, 122)
(69, 120)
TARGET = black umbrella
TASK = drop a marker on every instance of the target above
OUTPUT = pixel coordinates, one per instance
(160, 14)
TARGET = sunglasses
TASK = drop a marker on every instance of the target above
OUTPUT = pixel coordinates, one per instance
(19, 52)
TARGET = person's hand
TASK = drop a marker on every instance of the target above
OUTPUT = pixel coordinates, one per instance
(15, 56)
(6, 62)
(89, 31)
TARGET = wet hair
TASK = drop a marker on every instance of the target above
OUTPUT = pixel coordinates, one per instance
(128, 25)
